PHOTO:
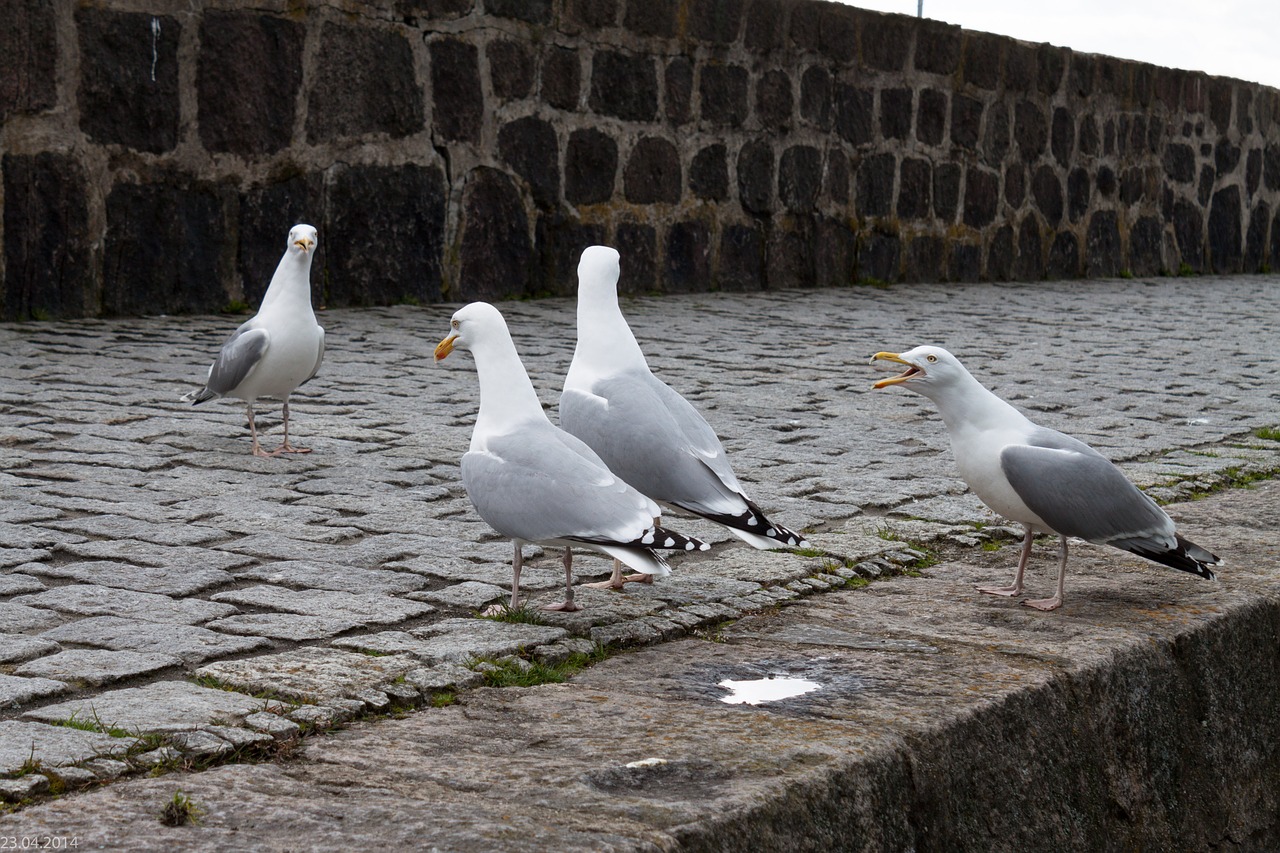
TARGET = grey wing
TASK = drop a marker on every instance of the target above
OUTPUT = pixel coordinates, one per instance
(630, 424)
(319, 358)
(239, 355)
(1078, 492)
(532, 485)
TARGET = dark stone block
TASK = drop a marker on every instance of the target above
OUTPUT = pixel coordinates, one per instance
(1180, 163)
(805, 29)
(1226, 156)
(1080, 79)
(983, 56)
(652, 174)
(789, 254)
(879, 256)
(1064, 257)
(1255, 240)
(709, 173)
(774, 101)
(931, 116)
(687, 268)
(165, 250)
(624, 86)
(1109, 137)
(443, 9)
(48, 250)
(28, 57)
(741, 259)
(946, 191)
(267, 212)
(1089, 139)
(1188, 231)
(715, 21)
(510, 69)
(800, 178)
(592, 14)
(129, 78)
(1015, 185)
(1029, 131)
(895, 113)
(1029, 265)
(1138, 134)
(854, 109)
(637, 243)
(1112, 77)
(835, 262)
(1204, 190)
(1021, 67)
(1102, 246)
(815, 97)
(926, 259)
(1146, 247)
(1106, 181)
(839, 35)
(1220, 103)
(529, 146)
(981, 197)
(874, 191)
(838, 176)
(1051, 62)
(559, 241)
(1046, 190)
(966, 121)
(652, 18)
(1000, 255)
(1079, 186)
(995, 140)
(1062, 136)
(1244, 111)
(886, 42)
(456, 92)
(1225, 229)
(765, 25)
(561, 78)
(386, 236)
(529, 11)
(1274, 254)
(915, 184)
(1133, 185)
(591, 163)
(965, 263)
(724, 94)
(250, 71)
(496, 256)
(678, 84)
(376, 91)
(1271, 167)
(755, 176)
(1253, 171)
(937, 48)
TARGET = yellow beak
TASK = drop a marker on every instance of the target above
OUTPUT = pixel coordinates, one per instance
(893, 380)
(445, 347)
(304, 244)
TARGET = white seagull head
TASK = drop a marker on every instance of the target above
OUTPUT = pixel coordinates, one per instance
(599, 264)
(471, 326)
(928, 368)
(302, 239)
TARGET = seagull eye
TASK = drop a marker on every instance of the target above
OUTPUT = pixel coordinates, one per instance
(931, 358)
(453, 323)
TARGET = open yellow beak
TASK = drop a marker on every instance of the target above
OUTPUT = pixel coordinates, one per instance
(911, 370)
(445, 347)
(304, 243)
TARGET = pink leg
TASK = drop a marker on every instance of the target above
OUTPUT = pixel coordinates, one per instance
(287, 447)
(517, 563)
(566, 606)
(1054, 603)
(617, 581)
(1016, 587)
(253, 431)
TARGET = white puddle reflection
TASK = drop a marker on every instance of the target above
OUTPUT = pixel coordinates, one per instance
(759, 690)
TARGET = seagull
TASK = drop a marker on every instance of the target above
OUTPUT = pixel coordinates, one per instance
(532, 481)
(277, 350)
(1042, 479)
(642, 428)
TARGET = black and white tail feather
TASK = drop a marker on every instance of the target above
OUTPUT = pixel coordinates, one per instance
(1186, 557)
(754, 528)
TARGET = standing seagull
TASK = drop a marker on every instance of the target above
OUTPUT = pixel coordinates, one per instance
(645, 431)
(532, 481)
(1040, 478)
(279, 349)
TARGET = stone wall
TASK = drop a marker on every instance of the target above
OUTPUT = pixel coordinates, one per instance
(155, 152)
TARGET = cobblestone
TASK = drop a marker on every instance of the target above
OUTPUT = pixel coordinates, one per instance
(140, 540)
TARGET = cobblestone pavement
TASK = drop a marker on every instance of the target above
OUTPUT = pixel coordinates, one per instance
(165, 597)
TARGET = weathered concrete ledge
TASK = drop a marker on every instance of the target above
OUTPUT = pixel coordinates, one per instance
(1146, 715)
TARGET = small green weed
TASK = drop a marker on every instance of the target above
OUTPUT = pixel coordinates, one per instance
(180, 811)
(1268, 433)
(521, 615)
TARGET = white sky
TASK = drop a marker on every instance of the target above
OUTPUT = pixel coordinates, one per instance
(1231, 38)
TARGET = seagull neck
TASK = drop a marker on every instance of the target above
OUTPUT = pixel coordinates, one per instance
(968, 405)
(605, 341)
(506, 394)
(290, 287)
